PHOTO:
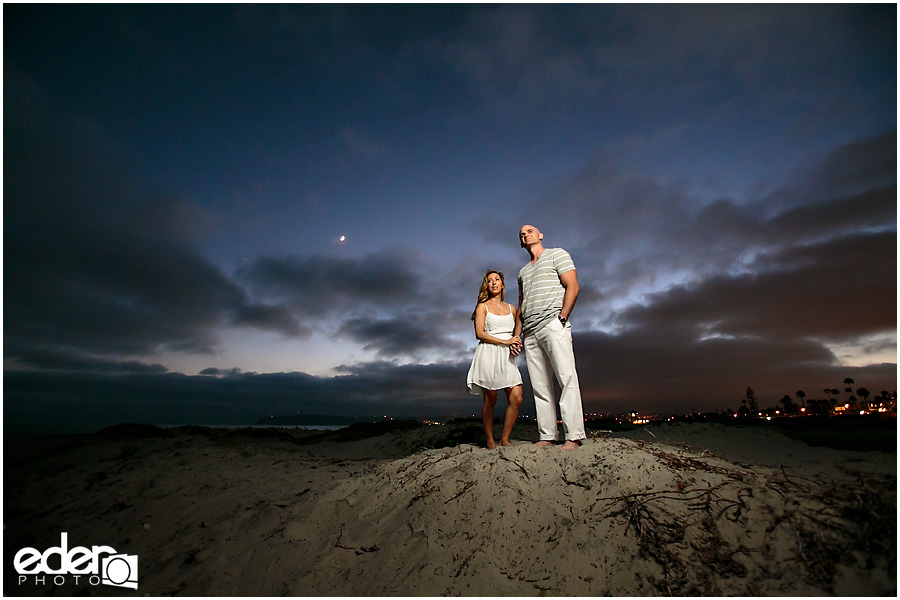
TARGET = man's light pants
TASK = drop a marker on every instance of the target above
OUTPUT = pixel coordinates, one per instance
(549, 352)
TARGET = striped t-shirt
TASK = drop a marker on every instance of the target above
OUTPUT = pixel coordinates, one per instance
(540, 288)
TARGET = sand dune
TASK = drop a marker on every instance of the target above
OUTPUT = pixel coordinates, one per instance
(408, 510)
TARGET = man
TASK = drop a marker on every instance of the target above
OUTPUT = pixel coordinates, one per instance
(548, 288)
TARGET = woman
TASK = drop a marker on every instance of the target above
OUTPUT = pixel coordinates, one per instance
(493, 367)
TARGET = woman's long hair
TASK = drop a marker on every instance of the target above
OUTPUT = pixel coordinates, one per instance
(484, 294)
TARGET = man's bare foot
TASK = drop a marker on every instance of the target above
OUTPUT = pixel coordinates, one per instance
(544, 444)
(491, 444)
(505, 443)
(570, 445)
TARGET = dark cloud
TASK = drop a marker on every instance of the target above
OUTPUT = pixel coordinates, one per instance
(212, 371)
(101, 264)
(633, 233)
(111, 292)
(874, 208)
(322, 285)
(407, 384)
(693, 346)
(88, 401)
(836, 290)
(847, 171)
(58, 359)
(97, 260)
(669, 371)
(410, 334)
(271, 318)
(379, 300)
(518, 59)
(390, 337)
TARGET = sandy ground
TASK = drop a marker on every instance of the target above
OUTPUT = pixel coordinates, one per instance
(386, 510)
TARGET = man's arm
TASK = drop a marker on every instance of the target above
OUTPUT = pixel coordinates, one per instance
(517, 332)
(569, 280)
(520, 322)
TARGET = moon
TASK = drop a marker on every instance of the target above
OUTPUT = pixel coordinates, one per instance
(343, 238)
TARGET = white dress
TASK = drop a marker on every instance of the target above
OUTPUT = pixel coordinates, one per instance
(493, 367)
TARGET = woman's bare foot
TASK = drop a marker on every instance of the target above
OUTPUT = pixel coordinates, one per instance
(491, 444)
(544, 444)
(570, 445)
(505, 442)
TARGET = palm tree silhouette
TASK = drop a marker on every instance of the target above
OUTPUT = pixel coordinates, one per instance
(801, 395)
(789, 407)
(864, 394)
(751, 401)
(849, 389)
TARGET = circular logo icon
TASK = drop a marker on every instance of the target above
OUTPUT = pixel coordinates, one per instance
(118, 570)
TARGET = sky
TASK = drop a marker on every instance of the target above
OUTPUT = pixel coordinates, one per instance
(177, 180)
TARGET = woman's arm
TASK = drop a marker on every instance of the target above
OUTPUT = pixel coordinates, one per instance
(480, 316)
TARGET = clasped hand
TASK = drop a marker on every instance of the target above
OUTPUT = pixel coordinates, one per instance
(515, 346)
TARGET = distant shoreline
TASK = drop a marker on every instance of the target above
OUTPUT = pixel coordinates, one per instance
(845, 432)
(326, 427)
(300, 420)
